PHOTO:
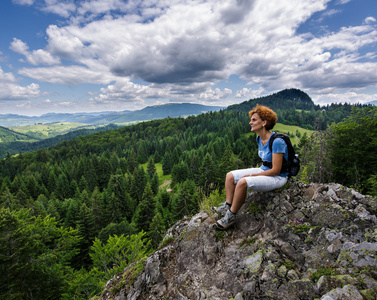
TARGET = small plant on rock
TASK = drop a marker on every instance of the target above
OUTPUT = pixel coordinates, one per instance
(323, 270)
(247, 242)
(299, 226)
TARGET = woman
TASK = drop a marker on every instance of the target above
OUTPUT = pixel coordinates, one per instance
(262, 179)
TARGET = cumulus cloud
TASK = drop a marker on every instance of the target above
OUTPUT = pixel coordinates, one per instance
(248, 93)
(10, 90)
(36, 57)
(350, 96)
(180, 49)
(6, 77)
(124, 90)
(236, 11)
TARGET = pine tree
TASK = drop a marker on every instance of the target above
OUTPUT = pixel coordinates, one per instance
(132, 162)
(7, 200)
(99, 209)
(103, 172)
(145, 210)
(117, 186)
(227, 163)
(72, 215)
(52, 180)
(167, 163)
(208, 174)
(83, 184)
(86, 229)
(156, 230)
(138, 184)
(151, 168)
(186, 200)
(62, 187)
(155, 182)
(180, 172)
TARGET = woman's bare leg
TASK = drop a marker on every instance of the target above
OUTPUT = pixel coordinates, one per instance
(229, 188)
(239, 196)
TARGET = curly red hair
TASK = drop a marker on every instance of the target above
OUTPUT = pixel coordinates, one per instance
(266, 114)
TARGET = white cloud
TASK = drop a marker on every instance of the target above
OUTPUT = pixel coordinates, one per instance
(126, 91)
(348, 96)
(10, 90)
(70, 75)
(369, 20)
(23, 2)
(62, 8)
(6, 77)
(343, 1)
(97, 7)
(35, 57)
(19, 46)
(180, 49)
(248, 93)
(215, 94)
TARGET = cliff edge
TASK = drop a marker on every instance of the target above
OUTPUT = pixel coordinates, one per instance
(316, 241)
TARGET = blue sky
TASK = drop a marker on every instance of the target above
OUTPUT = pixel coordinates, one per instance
(113, 55)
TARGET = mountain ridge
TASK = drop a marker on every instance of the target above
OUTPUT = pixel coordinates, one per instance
(293, 98)
(101, 118)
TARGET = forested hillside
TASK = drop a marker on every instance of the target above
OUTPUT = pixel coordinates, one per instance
(75, 214)
(295, 107)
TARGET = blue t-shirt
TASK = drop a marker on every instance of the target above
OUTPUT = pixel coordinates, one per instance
(278, 146)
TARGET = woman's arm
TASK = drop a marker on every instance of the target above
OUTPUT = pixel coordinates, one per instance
(277, 163)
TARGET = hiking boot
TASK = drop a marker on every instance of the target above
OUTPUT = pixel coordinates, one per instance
(221, 210)
(227, 221)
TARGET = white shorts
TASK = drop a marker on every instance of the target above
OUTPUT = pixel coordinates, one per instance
(259, 183)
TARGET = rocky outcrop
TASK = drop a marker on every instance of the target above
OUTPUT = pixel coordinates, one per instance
(316, 241)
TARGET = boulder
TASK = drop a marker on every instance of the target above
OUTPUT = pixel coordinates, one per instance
(303, 241)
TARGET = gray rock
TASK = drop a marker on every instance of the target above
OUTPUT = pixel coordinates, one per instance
(348, 292)
(301, 242)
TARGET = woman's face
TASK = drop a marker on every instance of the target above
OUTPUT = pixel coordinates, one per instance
(256, 123)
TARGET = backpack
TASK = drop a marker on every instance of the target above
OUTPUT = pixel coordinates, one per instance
(292, 166)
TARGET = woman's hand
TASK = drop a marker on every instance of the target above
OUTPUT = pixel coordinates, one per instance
(277, 163)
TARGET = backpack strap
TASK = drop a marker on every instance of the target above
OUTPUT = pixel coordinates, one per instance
(285, 166)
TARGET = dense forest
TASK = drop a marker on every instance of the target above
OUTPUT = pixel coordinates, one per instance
(76, 213)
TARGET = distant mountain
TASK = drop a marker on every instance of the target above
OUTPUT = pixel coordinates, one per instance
(172, 110)
(13, 120)
(372, 102)
(286, 99)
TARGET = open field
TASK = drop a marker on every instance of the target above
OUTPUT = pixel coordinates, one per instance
(44, 131)
(291, 130)
(162, 178)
